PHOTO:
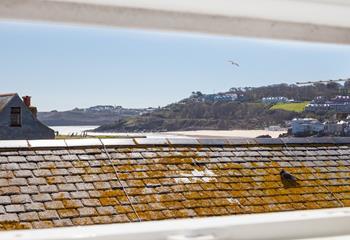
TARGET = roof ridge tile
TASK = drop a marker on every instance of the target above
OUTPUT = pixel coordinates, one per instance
(98, 142)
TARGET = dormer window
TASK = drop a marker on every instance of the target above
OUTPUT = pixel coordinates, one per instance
(16, 119)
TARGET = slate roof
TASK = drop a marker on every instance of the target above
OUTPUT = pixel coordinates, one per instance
(5, 98)
(58, 183)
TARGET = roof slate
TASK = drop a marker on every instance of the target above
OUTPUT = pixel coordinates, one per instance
(55, 186)
(4, 99)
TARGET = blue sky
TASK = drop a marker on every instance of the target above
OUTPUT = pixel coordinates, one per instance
(64, 67)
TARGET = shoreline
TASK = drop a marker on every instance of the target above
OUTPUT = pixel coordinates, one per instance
(78, 130)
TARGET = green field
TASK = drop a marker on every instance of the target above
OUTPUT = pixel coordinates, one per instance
(292, 107)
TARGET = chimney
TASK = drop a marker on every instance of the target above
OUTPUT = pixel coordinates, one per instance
(27, 102)
(34, 111)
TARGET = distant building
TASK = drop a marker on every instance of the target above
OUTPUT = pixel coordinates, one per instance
(338, 104)
(275, 100)
(341, 99)
(227, 97)
(18, 119)
(275, 128)
(147, 111)
(211, 98)
(341, 128)
(309, 127)
(306, 127)
(319, 100)
(318, 107)
(335, 128)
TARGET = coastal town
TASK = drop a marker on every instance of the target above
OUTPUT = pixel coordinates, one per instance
(336, 107)
(174, 120)
(75, 182)
(298, 115)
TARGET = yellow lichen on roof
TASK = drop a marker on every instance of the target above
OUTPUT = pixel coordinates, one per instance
(84, 186)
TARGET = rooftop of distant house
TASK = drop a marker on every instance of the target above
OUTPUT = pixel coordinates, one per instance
(5, 98)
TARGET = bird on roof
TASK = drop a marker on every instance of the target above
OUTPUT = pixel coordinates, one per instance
(287, 176)
(233, 63)
(288, 179)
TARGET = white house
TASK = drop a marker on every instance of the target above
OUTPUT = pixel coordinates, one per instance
(306, 126)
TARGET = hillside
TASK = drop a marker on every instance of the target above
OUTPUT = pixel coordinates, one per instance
(292, 91)
(204, 116)
(239, 108)
(97, 115)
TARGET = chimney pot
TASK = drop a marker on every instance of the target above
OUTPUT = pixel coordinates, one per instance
(27, 100)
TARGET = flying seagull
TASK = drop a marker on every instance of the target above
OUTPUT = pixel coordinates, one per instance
(288, 179)
(233, 63)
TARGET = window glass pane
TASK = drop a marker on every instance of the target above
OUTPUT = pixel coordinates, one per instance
(16, 117)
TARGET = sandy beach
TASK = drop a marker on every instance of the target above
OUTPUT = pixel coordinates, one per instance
(67, 130)
(229, 133)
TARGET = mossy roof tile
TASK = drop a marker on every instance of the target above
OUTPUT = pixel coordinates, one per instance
(80, 185)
